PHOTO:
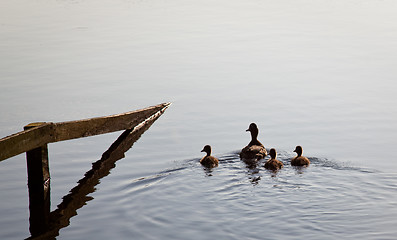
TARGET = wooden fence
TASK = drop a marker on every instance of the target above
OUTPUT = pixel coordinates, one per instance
(34, 139)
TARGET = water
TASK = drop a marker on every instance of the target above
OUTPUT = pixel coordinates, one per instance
(233, 202)
(320, 74)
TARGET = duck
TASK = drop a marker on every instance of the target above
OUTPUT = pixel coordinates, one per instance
(208, 160)
(273, 163)
(255, 149)
(299, 160)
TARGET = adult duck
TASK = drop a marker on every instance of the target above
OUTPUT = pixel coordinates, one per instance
(299, 160)
(255, 149)
(208, 160)
(273, 163)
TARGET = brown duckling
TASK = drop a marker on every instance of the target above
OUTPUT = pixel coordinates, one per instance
(299, 160)
(255, 149)
(273, 163)
(208, 160)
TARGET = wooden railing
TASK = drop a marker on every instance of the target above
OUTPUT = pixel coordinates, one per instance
(38, 134)
(34, 139)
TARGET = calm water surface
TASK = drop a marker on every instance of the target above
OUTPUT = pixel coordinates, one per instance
(316, 73)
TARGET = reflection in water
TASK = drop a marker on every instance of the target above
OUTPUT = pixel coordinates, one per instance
(78, 196)
(207, 171)
(299, 169)
(253, 173)
(251, 164)
(253, 170)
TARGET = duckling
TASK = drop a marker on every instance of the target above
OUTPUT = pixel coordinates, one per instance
(208, 160)
(255, 149)
(273, 163)
(299, 160)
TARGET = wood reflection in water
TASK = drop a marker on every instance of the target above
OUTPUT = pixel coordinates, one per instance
(78, 196)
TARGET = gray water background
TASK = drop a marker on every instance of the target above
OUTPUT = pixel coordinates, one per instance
(320, 74)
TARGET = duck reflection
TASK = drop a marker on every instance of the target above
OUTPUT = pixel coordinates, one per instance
(208, 171)
(253, 171)
(254, 176)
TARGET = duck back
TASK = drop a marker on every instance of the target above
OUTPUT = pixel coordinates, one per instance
(273, 164)
(253, 152)
(300, 161)
(209, 161)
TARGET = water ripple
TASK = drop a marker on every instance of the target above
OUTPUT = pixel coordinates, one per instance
(321, 201)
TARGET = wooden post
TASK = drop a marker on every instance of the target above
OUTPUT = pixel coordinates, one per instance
(39, 187)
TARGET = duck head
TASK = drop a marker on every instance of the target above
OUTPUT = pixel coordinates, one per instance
(253, 129)
(273, 153)
(207, 149)
(298, 150)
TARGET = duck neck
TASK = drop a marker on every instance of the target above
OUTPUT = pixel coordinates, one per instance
(273, 154)
(254, 136)
(254, 139)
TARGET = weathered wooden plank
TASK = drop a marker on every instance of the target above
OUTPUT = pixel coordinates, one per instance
(26, 140)
(101, 125)
(54, 132)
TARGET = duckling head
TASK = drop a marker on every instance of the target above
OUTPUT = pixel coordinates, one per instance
(298, 150)
(207, 149)
(273, 153)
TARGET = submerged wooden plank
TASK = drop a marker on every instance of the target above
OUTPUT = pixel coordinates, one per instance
(54, 132)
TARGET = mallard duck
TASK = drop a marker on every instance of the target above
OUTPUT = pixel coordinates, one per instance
(255, 149)
(208, 160)
(299, 160)
(273, 163)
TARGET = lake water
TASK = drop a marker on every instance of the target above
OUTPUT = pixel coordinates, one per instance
(320, 74)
